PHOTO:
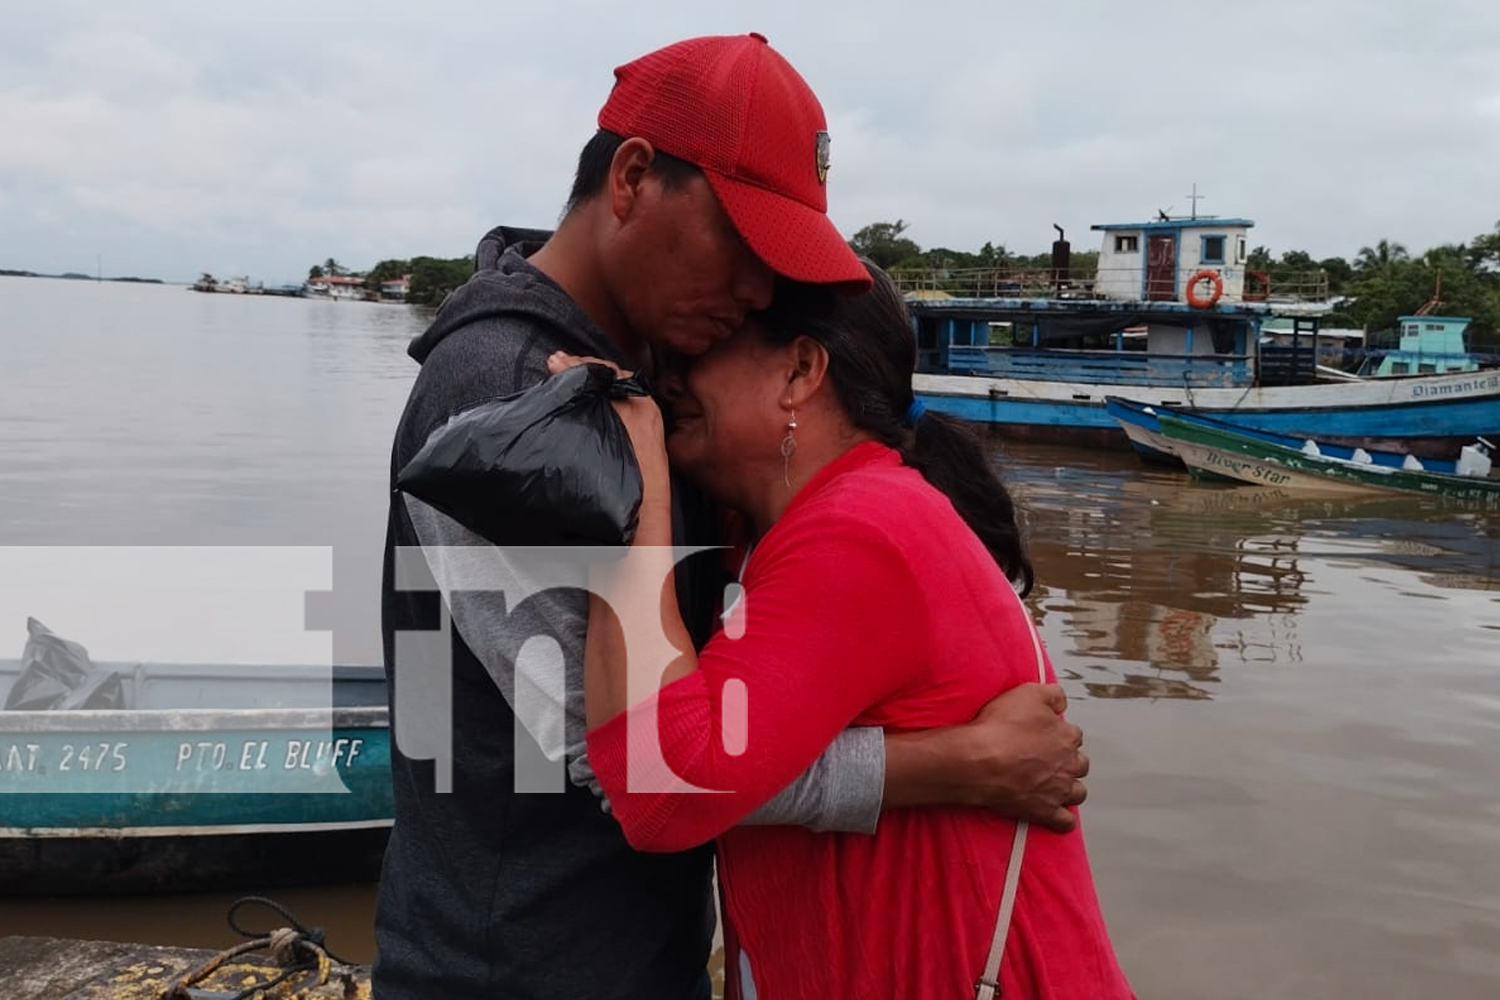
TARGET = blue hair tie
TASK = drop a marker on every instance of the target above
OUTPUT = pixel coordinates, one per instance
(914, 412)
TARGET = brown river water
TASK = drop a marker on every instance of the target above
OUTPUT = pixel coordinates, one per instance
(1292, 706)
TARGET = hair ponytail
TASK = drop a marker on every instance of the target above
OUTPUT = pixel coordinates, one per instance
(949, 455)
(872, 352)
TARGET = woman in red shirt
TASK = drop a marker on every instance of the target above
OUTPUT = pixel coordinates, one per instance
(879, 590)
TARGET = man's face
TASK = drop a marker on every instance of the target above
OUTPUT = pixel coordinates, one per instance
(687, 279)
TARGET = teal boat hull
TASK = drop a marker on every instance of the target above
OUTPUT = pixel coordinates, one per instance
(187, 799)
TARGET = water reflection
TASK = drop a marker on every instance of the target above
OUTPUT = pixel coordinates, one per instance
(150, 414)
(1292, 705)
(1169, 580)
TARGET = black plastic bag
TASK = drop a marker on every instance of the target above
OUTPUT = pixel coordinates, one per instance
(549, 466)
(57, 675)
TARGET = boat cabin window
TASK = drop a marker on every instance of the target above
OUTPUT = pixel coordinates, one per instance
(1008, 334)
(1239, 251)
(927, 335)
(1213, 250)
(1127, 244)
(1400, 367)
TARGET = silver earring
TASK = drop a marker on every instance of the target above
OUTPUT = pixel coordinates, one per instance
(788, 449)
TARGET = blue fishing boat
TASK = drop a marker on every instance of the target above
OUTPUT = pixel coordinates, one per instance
(1172, 316)
(1142, 425)
(198, 777)
(1142, 430)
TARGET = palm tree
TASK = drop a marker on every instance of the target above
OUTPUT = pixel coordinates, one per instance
(1382, 257)
(1484, 252)
(333, 268)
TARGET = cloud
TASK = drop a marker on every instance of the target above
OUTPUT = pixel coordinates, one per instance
(259, 138)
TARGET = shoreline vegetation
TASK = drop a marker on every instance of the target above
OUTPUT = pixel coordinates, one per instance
(422, 281)
(1368, 291)
(76, 276)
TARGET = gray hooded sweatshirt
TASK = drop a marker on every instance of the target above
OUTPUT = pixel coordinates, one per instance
(505, 876)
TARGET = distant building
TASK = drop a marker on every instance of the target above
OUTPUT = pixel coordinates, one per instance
(395, 290)
(335, 286)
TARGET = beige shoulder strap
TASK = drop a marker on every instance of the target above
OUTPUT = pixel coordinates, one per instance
(988, 986)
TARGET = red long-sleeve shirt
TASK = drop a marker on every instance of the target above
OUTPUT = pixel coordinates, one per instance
(868, 603)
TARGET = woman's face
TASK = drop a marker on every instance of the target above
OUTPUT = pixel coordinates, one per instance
(727, 421)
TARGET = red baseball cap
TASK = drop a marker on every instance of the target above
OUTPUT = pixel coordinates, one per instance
(735, 108)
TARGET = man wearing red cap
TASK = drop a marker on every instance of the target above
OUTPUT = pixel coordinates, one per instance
(706, 181)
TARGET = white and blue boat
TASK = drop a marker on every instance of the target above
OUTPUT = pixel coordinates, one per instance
(203, 777)
(1172, 317)
(1142, 424)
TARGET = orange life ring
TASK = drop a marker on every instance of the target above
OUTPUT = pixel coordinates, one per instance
(1263, 280)
(1192, 289)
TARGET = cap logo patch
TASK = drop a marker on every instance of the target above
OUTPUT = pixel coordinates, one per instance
(823, 143)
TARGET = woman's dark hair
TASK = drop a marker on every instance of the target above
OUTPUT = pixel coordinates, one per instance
(872, 352)
(599, 152)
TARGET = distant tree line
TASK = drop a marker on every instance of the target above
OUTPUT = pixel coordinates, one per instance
(884, 244)
(75, 276)
(1381, 282)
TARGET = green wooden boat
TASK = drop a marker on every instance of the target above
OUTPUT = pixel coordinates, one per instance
(1223, 453)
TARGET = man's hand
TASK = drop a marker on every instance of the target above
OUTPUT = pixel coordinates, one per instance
(1018, 757)
(1029, 760)
(641, 418)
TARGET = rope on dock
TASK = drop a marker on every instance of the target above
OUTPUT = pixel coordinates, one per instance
(295, 948)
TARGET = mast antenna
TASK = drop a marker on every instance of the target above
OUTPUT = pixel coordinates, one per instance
(1195, 197)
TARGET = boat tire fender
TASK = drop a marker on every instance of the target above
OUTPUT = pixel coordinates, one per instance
(1216, 284)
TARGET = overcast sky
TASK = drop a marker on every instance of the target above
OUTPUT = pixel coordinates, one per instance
(169, 138)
